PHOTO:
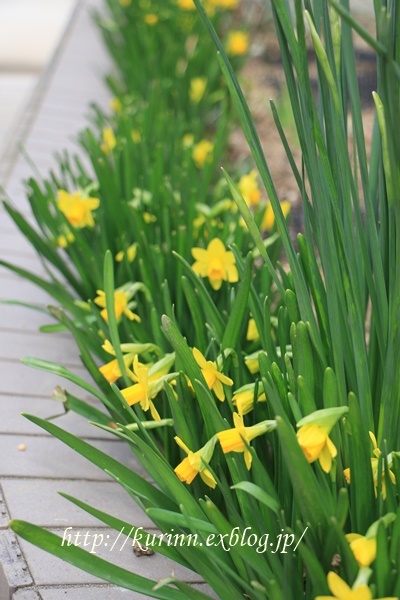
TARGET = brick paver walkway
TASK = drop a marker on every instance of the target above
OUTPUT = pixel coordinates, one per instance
(30, 478)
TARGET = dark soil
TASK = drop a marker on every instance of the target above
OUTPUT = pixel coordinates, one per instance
(262, 79)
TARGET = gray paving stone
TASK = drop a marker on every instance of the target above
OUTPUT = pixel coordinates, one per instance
(13, 568)
(27, 42)
(15, 90)
(18, 318)
(93, 592)
(12, 420)
(47, 508)
(15, 287)
(4, 514)
(49, 570)
(364, 7)
(203, 587)
(14, 244)
(48, 457)
(29, 263)
(46, 147)
(59, 348)
(36, 295)
(22, 380)
(26, 595)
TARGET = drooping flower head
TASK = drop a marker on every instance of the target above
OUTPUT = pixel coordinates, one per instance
(248, 187)
(193, 464)
(64, 240)
(188, 140)
(121, 305)
(375, 468)
(136, 136)
(202, 152)
(237, 43)
(186, 4)
(251, 362)
(130, 253)
(214, 378)
(268, 220)
(313, 435)
(216, 263)
(225, 4)
(244, 398)
(342, 591)
(197, 89)
(149, 381)
(115, 104)
(77, 208)
(108, 140)
(238, 438)
(111, 370)
(252, 334)
(363, 548)
(151, 19)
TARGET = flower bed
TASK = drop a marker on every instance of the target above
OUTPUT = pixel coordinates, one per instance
(262, 401)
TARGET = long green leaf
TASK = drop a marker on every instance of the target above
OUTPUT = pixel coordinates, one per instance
(92, 564)
(145, 490)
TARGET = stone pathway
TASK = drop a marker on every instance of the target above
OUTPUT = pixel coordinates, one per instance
(33, 465)
(29, 34)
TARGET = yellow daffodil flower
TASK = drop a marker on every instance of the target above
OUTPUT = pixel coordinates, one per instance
(199, 221)
(268, 220)
(77, 208)
(313, 436)
(188, 140)
(238, 438)
(225, 4)
(252, 334)
(64, 240)
(214, 378)
(149, 218)
(202, 152)
(149, 381)
(136, 136)
(108, 347)
(342, 591)
(141, 197)
(197, 88)
(186, 4)
(121, 300)
(363, 548)
(108, 140)
(237, 43)
(316, 444)
(151, 19)
(251, 362)
(243, 398)
(248, 187)
(193, 464)
(216, 263)
(374, 466)
(115, 105)
(130, 253)
(132, 347)
(111, 371)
